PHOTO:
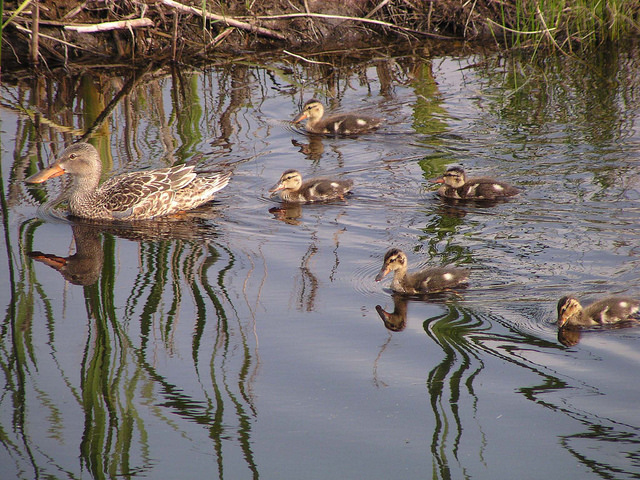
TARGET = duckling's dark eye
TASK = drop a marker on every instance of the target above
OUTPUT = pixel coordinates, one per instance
(72, 156)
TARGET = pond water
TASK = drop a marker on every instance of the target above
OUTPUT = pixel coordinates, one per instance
(243, 340)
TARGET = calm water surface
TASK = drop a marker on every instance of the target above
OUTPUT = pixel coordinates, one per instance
(243, 341)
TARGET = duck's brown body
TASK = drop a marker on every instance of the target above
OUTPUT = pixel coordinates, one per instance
(457, 186)
(608, 311)
(292, 189)
(344, 124)
(429, 280)
(130, 196)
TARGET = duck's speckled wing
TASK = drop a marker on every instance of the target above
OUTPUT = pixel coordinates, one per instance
(325, 188)
(145, 194)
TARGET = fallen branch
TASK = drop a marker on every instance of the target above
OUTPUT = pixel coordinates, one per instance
(107, 26)
(228, 21)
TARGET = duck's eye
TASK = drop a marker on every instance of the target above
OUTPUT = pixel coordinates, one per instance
(72, 156)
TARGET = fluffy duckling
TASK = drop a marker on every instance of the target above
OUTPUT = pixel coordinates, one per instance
(457, 186)
(609, 311)
(341, 124)
(293, 189)
(429, 280)
(131, 196)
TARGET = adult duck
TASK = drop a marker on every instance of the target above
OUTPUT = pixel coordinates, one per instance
(606, 312)
(341, 124)
(429, 280)
(458, 186)
(292, 189)
(131, 196)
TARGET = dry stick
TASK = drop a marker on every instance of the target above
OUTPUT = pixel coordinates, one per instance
(35, 30)
(174, 40)
(354, 19)
(107, 26)
(306, 59)
(228, 21)
(372, 12)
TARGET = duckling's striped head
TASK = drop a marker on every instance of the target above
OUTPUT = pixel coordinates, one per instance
(289, 180)
(567, 307)
(454, 177)
(312, 109)
(394, 259)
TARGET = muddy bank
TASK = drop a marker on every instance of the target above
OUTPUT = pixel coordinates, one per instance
(135, 32)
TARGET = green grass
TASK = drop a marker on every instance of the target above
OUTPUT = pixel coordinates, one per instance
(568, 25)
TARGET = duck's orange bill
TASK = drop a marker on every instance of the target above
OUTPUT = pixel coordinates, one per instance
(382, 273)
(301, 116)
(437, 180)
(51, 260)
(54, 170)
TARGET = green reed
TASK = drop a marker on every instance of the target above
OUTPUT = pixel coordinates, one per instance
(568, 25)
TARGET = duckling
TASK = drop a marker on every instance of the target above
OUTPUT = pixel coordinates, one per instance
(429, 280)
(609, 311)
(457, 186)
(342, 124)
(293, 189)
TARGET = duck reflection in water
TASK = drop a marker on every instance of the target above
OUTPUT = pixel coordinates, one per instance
(84, 266)
(396, 321)
(288, 213)
(312, 150)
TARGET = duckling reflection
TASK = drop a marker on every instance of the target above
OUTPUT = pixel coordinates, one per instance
(395, 321)
(312, 150)
(288, 213)
(84, 266)
(569, 337)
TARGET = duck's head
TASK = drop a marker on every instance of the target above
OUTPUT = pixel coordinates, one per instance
(80, 159)
(567, 307)
(313, 110)
(394, 259)
(454, 177)
(290, 180)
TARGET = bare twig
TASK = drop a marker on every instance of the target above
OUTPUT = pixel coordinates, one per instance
(306, 59)
(231, 22)
(107, 26)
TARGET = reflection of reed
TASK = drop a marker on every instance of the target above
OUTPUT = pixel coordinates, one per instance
(119, 369)
(457, 371)
(309, 282)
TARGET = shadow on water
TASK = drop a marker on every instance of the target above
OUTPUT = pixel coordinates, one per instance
(118, 368)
